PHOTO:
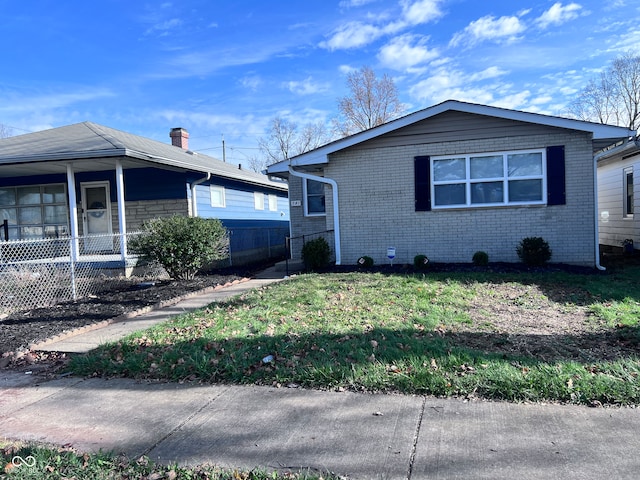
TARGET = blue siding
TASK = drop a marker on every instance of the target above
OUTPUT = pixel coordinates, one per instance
(154, 184)
(239, 204)
(246, 235)
(33, 180)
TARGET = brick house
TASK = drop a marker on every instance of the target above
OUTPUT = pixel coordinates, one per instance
(451, 180)
(90, 180)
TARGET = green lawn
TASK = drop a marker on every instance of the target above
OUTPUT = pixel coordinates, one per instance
(487, 335)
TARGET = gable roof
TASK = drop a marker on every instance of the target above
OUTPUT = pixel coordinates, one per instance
(90, 146)
(603, 135)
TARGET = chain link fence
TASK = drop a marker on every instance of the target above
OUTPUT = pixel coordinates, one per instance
(41, 273)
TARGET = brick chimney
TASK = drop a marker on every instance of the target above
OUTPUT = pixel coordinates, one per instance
(179, 138)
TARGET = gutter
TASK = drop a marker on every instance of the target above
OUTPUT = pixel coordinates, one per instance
(336, 210)
(194, 203)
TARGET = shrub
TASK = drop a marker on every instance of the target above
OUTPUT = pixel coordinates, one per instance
(182, 245)
(480, 258)
(534, 251)
(315, 254)
(365, 262)
(420, 262)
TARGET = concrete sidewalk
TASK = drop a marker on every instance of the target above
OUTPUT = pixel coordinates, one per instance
(358, 435)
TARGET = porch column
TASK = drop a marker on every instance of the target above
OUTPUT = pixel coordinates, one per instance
(73, 212)
(122, 221)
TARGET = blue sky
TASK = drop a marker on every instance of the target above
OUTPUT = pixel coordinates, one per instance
(224, 69)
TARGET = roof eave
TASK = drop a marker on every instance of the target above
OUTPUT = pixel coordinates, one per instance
(320, 155)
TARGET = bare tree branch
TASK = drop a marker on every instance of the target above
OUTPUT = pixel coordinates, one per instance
(614, 97)
(372, 102)
(5, 131)
(285, 140)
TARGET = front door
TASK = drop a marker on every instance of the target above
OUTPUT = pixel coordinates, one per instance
(96, 216)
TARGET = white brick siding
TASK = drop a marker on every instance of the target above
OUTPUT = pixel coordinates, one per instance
(376, 196)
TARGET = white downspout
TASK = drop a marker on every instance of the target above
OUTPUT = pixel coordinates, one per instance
(336, 210)
(194, 203)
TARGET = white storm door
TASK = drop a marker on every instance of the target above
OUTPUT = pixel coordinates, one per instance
(96, 216)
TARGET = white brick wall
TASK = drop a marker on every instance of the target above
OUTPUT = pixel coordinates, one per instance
(376, 196)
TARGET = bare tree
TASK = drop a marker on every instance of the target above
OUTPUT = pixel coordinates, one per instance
(614, 97)
(286, 140)
(5, 131)
(372, 102)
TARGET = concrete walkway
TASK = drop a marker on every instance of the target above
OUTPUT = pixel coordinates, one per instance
(357, 435)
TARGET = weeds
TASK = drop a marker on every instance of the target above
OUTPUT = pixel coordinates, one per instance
(32, 461)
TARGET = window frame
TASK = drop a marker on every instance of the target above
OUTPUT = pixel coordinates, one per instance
(305, 194)
(47, 228)
(273, 202)
(222, 194)
(505, 179)
(258, 200)
(626, 211)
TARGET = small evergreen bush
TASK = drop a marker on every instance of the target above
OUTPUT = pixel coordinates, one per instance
(480, 258)
(420, 262)
(315, 254)
(533, 251)
(182, 245)
(365, 262)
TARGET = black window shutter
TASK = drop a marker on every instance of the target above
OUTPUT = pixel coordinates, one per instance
(422, 178)
(556, 194)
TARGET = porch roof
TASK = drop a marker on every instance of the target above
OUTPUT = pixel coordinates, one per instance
(92, 147)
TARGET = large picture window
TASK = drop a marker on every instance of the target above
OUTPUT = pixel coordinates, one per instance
(314, 197)
(34, 211)
(506, 178)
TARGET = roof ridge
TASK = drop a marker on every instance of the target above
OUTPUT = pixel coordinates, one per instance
(99, 130)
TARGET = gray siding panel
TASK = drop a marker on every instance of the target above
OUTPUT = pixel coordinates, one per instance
(450, 126)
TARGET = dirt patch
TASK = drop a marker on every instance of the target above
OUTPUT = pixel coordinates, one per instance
(544, 322)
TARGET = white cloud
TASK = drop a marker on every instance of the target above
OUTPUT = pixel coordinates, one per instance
(306, 87)
(489, 28)
(164, 27)
(491, 72)
(421, 11)
(40, 103)
(251, 82)
(346, 69)
(353, 3)
(352, 35)
(559, 14)
(356, 34)
(450, 83)
(405, 52)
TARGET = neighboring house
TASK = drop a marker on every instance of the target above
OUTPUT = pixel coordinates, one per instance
(451, 180)
(618, 192)
(89, 180)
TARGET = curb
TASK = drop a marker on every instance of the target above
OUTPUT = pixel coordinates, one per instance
(124, 317)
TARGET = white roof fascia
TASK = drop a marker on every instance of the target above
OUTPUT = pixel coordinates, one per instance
(320, 155)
